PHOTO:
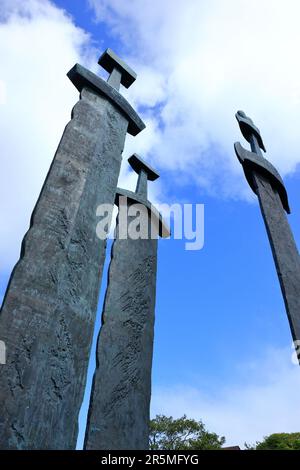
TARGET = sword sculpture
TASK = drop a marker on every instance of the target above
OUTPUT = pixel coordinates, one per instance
(48, 312)
(267, 184)
(120, 400)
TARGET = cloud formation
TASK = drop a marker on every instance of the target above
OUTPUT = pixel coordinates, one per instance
(39, 43)
(263, 401)
(198, 63)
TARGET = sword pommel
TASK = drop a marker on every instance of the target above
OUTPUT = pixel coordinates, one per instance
(138, 165)
(248, 129)
(145, 172)
(119, 71)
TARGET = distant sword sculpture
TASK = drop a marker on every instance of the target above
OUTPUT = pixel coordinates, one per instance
(48, 312)
(119, 409)
(267, 184)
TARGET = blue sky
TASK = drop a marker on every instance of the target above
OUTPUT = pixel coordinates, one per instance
(222, 342)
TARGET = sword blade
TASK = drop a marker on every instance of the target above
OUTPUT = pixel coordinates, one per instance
(284, 250)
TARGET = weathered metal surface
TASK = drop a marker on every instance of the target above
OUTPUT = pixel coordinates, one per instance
(284, 250)
(268, 185)
(120, 400)
(48, 313)
(81, 77)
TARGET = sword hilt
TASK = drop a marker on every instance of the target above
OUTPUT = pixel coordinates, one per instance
(254, 163)
(120, 73)
(145, 172)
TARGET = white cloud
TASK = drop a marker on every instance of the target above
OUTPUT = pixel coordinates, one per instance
(263, 401)
(39, 43)
(200, 62)
(2, 92)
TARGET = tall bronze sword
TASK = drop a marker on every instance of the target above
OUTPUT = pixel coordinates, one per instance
(120, 400)
(48, 313)
(267, 184)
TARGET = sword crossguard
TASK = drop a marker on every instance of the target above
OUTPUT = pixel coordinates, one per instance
(253, 163)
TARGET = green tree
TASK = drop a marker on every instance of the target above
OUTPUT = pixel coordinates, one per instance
(167, 433)
(281, 441)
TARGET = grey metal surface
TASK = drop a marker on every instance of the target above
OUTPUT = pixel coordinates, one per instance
(138, 164)
(252, 162)
(81, 77)
(284, 250)
(120, 401)
(48, 312)
(110, 62)
(268, 185)
(249, 130)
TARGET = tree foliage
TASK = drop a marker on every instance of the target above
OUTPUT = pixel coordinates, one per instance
(167, 433)
(280, 441)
